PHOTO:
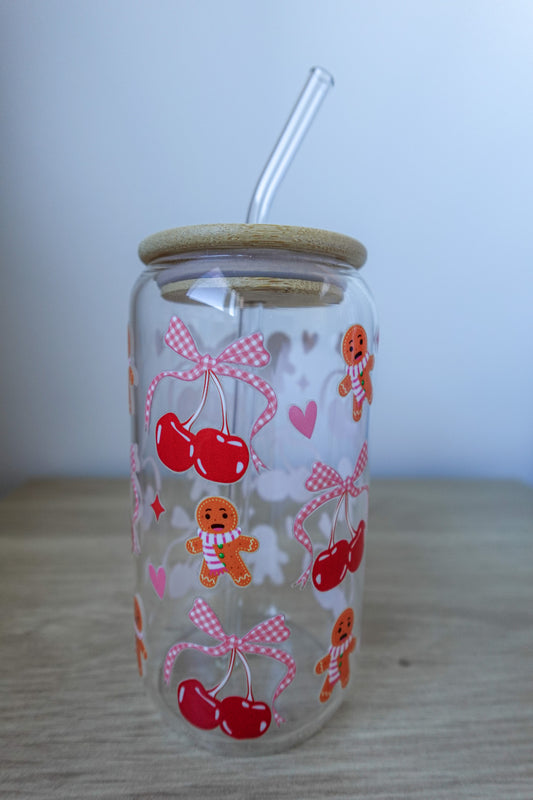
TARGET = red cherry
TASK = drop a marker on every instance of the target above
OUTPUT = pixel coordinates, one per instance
(175, 444)
(197, 706)
(244, 719)
(356, 548)
(220, 457)
(330, 566)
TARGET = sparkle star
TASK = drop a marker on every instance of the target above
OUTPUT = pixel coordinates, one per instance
(158, 507)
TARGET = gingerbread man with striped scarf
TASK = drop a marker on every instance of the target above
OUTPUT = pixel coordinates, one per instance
(336, 659)
(359, 363)
(220, 541)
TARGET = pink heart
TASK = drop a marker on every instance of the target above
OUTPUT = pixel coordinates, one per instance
(304, 421)
(159, 579)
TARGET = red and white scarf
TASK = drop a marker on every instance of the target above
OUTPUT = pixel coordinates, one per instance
(210, 544)
(355, 371)
(334, 654)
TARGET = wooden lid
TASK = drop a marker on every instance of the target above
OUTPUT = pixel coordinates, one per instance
(194, 238)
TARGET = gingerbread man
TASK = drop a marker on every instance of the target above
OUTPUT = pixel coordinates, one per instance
(140, 647)
(336, 660)
(359, 363)
(220, 540)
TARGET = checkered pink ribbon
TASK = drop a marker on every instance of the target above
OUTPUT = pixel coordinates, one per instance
(134, 469)
(248, 351)
(324, 477)
(271, 630)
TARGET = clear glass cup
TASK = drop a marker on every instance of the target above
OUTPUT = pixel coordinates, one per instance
(251, 349)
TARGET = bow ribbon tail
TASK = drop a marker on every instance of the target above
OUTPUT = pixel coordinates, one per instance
(266, 390)
(290, 663)
(300, 533)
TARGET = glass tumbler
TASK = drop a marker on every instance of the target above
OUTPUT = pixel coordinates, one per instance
(251, 350)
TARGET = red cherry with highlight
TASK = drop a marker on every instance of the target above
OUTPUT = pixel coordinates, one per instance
(243, 718)
(219, 456)
(197, 705)
(174, 443)
(331, 566)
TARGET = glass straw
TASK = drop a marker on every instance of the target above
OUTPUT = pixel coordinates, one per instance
(313, 93)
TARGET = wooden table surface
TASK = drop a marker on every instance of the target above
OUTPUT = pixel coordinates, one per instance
(443, 707)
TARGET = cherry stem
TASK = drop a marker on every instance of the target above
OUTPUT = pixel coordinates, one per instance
(216, 689)
(335, 517)
(249, 695)
(190, 422)
(354, 533)
(217, 383)
(346, 507)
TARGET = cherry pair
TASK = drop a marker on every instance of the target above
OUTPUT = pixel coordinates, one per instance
(238, 717)
(215, 454)
(332, 564)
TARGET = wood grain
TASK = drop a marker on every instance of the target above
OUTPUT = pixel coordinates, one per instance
(271, 292)
(164, 245)
(444, 702)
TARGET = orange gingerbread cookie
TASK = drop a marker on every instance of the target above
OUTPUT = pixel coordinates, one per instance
(359, 363)
(336, 660)
(140, 647)
(220, 541)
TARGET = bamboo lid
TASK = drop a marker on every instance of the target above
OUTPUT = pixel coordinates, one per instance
(195, 238)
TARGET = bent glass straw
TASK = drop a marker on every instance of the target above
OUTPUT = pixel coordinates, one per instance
(317, 86)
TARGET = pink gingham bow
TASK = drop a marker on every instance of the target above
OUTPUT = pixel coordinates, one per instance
(327, 480)
(248, 351)
(270, 630)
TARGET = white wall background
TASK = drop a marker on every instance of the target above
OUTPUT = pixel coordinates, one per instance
(124, 117)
